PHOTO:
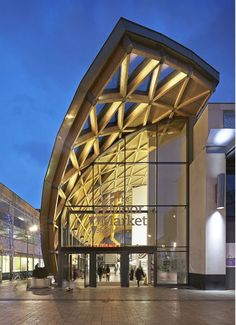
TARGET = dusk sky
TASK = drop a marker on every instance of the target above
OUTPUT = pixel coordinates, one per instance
(46, 48)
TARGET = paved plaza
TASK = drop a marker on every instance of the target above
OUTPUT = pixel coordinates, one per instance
(115, 305)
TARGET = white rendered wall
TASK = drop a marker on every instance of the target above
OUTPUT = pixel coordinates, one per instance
(207, 245)
(215, 219)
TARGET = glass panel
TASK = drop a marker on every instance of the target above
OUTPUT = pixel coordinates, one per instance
(105, 263)
(141, 146)
(136, 177)
(6, 264)
(140, 227)
(142, 261)
(171, 226)
(23, 263)
(36, 261)
(171, 267)
(108, 184)
(41, 263)
(172, 141)
(229, 119)
(107, 228)
(30, 264)
(16, 264)
(171, 184)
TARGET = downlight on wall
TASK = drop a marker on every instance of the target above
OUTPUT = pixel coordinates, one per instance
(220, 192)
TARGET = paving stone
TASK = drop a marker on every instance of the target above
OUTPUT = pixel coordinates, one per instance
(114, 305)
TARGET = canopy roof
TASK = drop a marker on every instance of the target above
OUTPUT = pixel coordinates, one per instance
(138, 78)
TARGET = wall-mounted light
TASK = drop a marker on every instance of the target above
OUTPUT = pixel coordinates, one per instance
(220, 192)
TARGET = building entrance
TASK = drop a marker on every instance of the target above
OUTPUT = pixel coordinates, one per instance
(96, 269)
(108, 269)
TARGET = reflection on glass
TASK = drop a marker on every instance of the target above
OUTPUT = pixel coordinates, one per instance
(171, 226)
(171, 267)
(171, 184)
(172, 141)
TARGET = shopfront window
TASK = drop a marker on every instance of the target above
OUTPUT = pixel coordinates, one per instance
(6, 264)
(30, 264)
(23, 264)
(16, 264)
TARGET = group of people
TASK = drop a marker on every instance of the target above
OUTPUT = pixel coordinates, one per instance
(104, 271)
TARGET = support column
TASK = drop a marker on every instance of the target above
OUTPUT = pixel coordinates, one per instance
(60, 255)
(60, 268)
(155, 269)
(124, 269)
(92, 270)
(207, 244)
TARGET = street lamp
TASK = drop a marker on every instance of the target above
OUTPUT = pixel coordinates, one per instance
(31, 229)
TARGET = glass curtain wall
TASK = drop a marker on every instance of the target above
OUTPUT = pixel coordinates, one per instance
(136, 193)
(14, 230)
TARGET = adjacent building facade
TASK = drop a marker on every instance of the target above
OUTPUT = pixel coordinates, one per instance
(17, 243)
(130, 178)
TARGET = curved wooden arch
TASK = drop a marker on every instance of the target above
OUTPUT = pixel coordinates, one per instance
(138, 78)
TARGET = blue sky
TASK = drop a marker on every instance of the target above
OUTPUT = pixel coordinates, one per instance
(46, 48)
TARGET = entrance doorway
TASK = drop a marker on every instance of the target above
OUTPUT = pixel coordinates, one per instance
(108, 269)
(145, 262)
(78, 269)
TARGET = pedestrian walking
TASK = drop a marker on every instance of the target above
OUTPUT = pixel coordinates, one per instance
(131, 274)
(139, 274)
(107, 273)
(100, 272)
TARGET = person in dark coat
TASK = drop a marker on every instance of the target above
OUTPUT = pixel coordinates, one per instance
(131, 274)
(74, 274)
(100, 272)
(139, 274)
(107, 273)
